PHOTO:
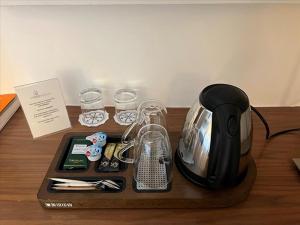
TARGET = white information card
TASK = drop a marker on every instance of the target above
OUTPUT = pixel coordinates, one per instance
(44, 107)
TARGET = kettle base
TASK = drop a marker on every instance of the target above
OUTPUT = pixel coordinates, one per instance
(198, 180)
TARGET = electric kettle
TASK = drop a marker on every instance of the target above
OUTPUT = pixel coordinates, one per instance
(215, 143)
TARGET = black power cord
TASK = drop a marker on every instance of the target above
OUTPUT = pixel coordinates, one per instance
(268, 136)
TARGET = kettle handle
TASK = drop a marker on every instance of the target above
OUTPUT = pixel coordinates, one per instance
(225, 149)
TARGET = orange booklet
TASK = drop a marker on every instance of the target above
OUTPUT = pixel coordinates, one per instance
(5, 100)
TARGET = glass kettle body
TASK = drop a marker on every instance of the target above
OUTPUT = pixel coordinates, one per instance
(216, 140)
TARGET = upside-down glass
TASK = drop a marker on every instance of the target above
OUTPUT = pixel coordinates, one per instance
(152, 158)
(91, 99)
(125, 106)
(148, 112)
(92, 108)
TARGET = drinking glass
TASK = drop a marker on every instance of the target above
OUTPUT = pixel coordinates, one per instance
(125, 106)
(92, 108)
(148, 112)
(152, 158)
(91, 99)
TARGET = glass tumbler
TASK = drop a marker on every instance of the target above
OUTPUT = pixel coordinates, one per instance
(125, 106)
(152, 158)
(148, 112)
(92, 108)
(91, 99)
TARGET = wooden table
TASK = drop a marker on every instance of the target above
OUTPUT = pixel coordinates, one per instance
(274, 199)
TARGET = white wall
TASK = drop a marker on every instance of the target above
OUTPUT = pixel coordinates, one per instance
(169, 52)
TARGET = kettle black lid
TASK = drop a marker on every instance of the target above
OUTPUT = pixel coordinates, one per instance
(219, 94)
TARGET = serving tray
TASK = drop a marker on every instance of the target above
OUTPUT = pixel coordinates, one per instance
(182, 194)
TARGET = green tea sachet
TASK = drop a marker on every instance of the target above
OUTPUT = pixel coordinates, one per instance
(76, 158)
